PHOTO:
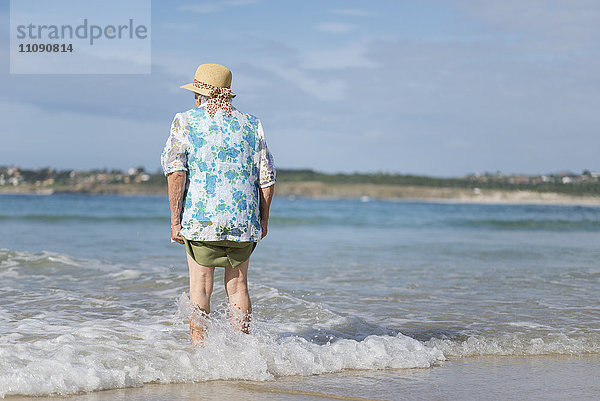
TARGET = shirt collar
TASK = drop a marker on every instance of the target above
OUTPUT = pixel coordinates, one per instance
(206, 101)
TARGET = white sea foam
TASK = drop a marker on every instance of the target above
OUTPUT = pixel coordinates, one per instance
(126, 274)
(517, 344)
(14, 258)
(527, 325)
(102, 355)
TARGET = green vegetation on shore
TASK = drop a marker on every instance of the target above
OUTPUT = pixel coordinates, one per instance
(137, 180)
(587, 183)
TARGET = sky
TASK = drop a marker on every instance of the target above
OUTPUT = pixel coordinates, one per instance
(429, 87)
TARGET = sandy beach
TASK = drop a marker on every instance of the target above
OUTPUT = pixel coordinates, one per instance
(490, 378)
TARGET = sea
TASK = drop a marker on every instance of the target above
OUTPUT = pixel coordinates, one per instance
(363, 299)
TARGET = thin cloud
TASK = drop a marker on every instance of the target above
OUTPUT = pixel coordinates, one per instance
(181, 27)
(334, 27)
(355, 12)
(207, 8)
(240, 2)
(566, 20)
(200, 8)
(340, 57)
(321, 89)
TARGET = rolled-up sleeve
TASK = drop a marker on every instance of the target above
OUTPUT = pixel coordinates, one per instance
(266, 171)
(174, 155)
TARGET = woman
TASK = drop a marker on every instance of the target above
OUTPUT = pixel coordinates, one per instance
(220, 177)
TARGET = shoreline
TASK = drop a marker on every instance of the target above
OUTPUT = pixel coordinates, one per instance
(542, 377)
(364, 192)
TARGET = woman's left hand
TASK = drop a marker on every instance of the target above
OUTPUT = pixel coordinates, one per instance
(263, 225)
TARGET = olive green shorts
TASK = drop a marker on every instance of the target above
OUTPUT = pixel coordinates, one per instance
(219, 253)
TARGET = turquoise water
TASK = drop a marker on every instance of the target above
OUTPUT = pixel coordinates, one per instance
(93, 295)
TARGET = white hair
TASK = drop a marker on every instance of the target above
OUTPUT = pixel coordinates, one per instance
(203, 98)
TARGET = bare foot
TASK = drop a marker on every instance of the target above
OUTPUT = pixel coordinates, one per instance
(198, 325)
(240, 319)
(197, 334)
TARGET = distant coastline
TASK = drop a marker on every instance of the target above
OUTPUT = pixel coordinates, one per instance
(429, 194)
(321, 190)
(556, 188)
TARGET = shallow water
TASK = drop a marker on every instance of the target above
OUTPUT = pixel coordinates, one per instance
(93, 294)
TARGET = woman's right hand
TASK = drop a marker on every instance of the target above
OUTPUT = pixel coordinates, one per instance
(175, 233)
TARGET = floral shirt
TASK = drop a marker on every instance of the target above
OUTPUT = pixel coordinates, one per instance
(227, 160)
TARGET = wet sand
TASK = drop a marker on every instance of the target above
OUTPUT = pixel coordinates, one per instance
(489, 378)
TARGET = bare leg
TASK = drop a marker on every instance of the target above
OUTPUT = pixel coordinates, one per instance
(201, 286)
(236, 286)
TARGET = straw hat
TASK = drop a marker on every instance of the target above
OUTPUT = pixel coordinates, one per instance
(210, 74)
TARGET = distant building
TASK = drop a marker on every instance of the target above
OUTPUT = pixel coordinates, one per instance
(12, 170)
